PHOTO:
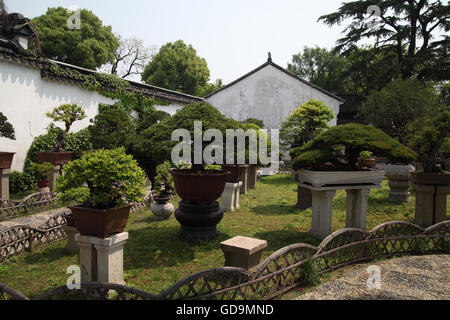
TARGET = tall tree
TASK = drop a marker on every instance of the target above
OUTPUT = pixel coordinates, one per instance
(177, 67)
(408, 28)
(130, 58)
(89, 44)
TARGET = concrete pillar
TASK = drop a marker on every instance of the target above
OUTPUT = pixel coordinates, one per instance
(252, 176)
(322, 209)
(102, 258)
(424, 205)
(244, 179)
(440, 207)
(230, 197)
(70, 233)
(357, 202)
(53, 176)
(304, 198)
(4, 183)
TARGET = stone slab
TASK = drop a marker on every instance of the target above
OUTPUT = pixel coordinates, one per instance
(244, 245)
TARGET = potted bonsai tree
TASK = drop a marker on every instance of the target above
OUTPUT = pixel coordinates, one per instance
(6, 131)
(42, 172)
(366, 160)
(68, 114)
(161, 208)
(431, 184)
(114, 181)
(331, 158)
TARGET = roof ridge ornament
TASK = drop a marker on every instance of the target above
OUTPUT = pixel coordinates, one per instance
(269, 58)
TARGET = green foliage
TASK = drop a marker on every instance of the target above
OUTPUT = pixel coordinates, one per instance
(74, 196)
(67, 113)
(210, 88)
(6, 128)
(111, 129)
(21, 182)
(177, 67)
(365, 155)
(41, 170)
(164, 180)
(341, 146)
(114, 179)
(149, 119)
(90, 47)
(309, 271)
(254, 121)
(305, 123)
(398, 105)
(79, 143)
(431, 137)
(156, 142)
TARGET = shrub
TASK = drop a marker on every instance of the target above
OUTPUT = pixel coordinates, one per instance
(341, 146)
(21, 182)
(254, 121)
(79, 143)
(164, 180)
(114, 179)
(74, 196)
(41, 170)
(6, 128)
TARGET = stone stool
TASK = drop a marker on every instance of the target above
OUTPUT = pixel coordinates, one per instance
(230, 197)
(243, 252)
(71, 232)
(101, 260)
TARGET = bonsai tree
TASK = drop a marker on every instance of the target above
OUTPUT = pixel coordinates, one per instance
(254, 121)
(339, 148)
(157, 142)
(68, 114)
(164, 181)
(41, 170)
(432, 138)
(310, 119)
(113, 178)
(6, 128)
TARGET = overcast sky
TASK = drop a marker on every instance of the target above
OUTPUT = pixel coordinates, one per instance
(234, 36)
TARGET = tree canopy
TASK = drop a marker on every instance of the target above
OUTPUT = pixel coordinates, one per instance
(177, 67)
(89, 46)
(6, 128)
(407, 28)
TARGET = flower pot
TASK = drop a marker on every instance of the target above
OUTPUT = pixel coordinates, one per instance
(54, 157)
(204, 187)
(321, 178)
(70, 220)
(369, 163)
(399, 176)
(162, 210)
(100, 223)
(6, 159)
(42, 184)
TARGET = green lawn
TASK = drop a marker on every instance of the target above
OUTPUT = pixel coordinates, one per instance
(155, 257)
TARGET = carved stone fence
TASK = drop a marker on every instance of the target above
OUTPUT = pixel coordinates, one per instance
(280, 273)
(33, 203)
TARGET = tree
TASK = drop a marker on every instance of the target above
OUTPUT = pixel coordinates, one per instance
(398, 105)
(89, 46)
(6, 128)
(177, 67)
(406, 28)
(130, 58)
(210, 88)
(310, 119)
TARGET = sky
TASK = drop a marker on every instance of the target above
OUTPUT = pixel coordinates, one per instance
(234, 36)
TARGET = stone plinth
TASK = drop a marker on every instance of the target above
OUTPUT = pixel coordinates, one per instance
(399, 181)
(101, 260)
(252, 176)
(322, 207)
(304, 198)
(4, 183)
(243, 252)
(431, 204)
(230, 197)
(243, 178)
(57, 170)
(71, 232)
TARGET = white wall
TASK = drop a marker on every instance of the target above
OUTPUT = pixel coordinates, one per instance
(269, 95)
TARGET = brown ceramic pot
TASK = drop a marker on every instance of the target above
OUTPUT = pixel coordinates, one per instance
(236, 172)
(54, 157)
(6, 159)
(42, 184)
(100, 223)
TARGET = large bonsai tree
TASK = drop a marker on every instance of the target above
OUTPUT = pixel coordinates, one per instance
(157, 142)
(6, 128)
(339, 148)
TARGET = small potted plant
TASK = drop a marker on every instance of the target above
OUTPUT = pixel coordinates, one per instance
(366, 160)
(42, 172)
(6, 131)
(114, 181)
(161, 208)
(68, 114)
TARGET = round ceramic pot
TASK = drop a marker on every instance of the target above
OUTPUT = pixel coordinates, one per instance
(162, 211)
(399, 176)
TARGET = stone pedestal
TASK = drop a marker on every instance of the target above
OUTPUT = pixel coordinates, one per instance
(230, 197)
(243, 252)
(57, 170)
(322, 207)
(162, 211)
(304, 198)
(431, 204)
(4, 183)
(252, 176)
(399, 181)
(71, 232)
(101, 260)
(244, 179)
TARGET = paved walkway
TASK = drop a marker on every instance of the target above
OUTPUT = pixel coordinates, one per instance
(406, 278)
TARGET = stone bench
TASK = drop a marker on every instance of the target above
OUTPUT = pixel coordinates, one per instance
(243, 252)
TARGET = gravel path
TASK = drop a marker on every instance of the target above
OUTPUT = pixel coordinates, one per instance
(406, 278)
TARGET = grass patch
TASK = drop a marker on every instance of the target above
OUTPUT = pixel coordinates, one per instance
(155, 257)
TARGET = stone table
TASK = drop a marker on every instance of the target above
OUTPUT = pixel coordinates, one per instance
(322, 206)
